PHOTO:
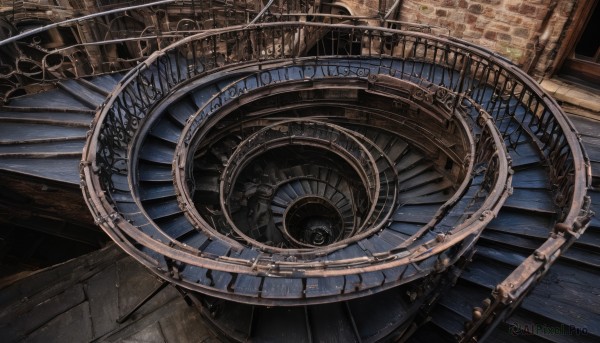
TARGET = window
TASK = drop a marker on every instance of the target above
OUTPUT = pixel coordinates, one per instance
(582, 61)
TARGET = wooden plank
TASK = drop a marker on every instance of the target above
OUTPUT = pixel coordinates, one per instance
(280, 324)
(590, 239)
(568, 289)
(182, 110)
(586, 126)
(535, 200)
(217, 248)
(49, 282)
(55, 98)
(463, 297)
(57, 169)
(408, 160)
(166, 130)
(583, 256)
(134, 284)
(71, 326)
(351, 284)
(396, 150)
(176, 226)
(71, 147)
(330, 323)
(317, 287)
(448, 321)
(102, 292)
(420, 214)
(527, 237)
(407, 229)
(374, 244)
(410, 173)
(582, 69)
(156, 151)
(524, 155)
(149, 334)
(371, 280)
(520, 243)
(12, 133)
(81, 118)
(163, 208)
(22, 320)
(560, 315)
(89, 236)
(154, 191)
(202, 95)
(513, 221)
(393, 274)
(221, 280)
(82, 92)
(106, 82)
(501, 254)
(184, 324)
(420, 180)
(120, 182)
(378, 315)
(592, 147)
(516, 137)
(195, 274)
(286, 288)
(247, 285)
(154, 172)
(194, 238)
(486, 273)
(171, 303)
(428, 189)
(531, 178)
(391, 238)
(525, 161)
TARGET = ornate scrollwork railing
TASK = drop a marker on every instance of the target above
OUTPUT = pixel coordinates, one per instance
(155, 78)
(476, 79)
(116, 37)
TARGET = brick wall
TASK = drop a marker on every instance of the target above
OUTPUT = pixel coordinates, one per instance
(514, 29)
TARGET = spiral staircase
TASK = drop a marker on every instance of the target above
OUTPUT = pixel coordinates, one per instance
(316, 181)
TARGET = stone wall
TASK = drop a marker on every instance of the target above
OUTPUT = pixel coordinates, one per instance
(526, 32)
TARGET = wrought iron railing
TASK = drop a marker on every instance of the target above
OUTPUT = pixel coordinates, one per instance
(146, 85)
(115, 37)
(308, 133)
(473, 75)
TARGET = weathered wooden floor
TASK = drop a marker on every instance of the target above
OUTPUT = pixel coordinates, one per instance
(80, 300)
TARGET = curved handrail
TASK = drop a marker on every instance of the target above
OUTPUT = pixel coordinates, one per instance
(472, 63)
(89, 57)
(154, 93)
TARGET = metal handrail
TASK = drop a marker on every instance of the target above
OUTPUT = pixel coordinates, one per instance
(467, 71)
